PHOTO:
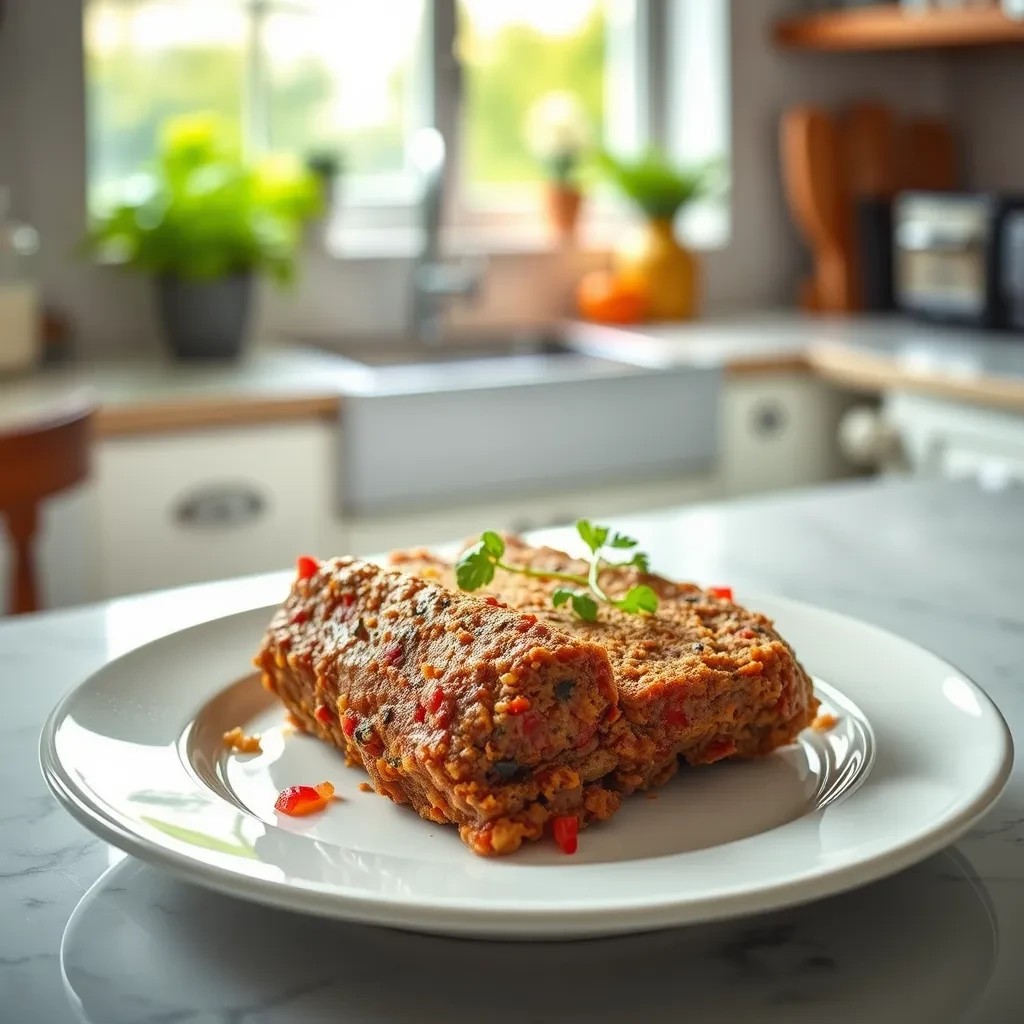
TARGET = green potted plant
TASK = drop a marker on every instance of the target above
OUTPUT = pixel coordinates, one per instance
(558, 135)
(652, 259)
(204, 223)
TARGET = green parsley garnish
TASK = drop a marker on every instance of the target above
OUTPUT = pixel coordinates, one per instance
(478, 565)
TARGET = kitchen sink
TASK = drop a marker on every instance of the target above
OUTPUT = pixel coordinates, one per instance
(470, 419)
(388, 353)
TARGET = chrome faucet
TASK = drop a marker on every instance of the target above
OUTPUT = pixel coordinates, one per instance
(435, 280)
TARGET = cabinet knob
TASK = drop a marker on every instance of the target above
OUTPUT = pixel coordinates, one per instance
(220, 506)
(768, 418)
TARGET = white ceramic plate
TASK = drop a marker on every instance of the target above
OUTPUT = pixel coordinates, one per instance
(919, 753)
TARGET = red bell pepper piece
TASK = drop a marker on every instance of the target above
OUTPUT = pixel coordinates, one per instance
(565, 829)
(306, 566)
(298, 801)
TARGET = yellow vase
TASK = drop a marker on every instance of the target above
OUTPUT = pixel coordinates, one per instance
(654, 261)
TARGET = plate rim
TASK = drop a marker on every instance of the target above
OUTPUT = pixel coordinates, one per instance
(453, 916)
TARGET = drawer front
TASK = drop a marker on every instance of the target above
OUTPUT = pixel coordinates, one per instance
(189, 508)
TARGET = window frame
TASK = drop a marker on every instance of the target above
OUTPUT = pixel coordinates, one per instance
(657, 28)
(386, 214)
(502, 221)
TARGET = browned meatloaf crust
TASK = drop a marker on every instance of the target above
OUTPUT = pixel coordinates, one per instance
(472, 713)
(703, 679)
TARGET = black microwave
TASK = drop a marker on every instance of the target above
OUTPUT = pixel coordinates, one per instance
(958, 257)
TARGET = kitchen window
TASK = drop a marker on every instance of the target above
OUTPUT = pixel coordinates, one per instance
(358, 79)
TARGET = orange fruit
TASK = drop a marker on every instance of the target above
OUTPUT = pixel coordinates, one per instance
(607, 298)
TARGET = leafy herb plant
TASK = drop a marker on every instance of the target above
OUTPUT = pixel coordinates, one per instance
(583, 593)
(656, 187)
(204, 212)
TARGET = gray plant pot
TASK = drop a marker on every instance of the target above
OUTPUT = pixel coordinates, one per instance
(205, 319)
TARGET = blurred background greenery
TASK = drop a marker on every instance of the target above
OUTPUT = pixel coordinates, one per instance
(320, 93)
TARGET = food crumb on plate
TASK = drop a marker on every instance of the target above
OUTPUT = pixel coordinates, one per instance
(298, 801)
(365, 787)
(236, 739)
(293, 723)
(824, 722)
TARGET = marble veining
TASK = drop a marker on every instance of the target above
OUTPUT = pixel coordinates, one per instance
(87, 934)
(795, 965)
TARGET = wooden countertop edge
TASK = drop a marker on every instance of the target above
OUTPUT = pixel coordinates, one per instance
(868, 371)
(784, 362)
(176, 416)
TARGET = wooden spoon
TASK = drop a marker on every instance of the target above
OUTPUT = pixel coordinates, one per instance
(818, 198)
(928, 156)
(869, 151)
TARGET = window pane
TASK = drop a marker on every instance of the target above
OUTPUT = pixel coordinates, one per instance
(293, 75)
(699, 104)
(513, 55)
(149, 61)
(342, 76)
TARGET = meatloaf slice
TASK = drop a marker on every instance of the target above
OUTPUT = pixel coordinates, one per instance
(703, 679)
(472, 713)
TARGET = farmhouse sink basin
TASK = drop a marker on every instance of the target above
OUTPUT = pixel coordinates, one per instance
(404, 353)
(461, 424)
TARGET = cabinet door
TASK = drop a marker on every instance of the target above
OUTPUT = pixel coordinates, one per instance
(780, 431)
(955, 441)
(192, 507)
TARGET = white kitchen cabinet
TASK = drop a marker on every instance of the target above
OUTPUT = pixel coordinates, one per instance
(953, 440)
(778, 431)
(189, 507)
(375, 534)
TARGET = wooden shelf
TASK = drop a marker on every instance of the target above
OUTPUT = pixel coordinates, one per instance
(890, 27)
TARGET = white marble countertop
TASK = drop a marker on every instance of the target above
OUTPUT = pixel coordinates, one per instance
(913, 345)
(120, 388)
(862, 353)
(88, 935)
(135, 395)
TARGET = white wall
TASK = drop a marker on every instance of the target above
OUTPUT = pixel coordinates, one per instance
(10, 127)
(43, 155)
(41, 60)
